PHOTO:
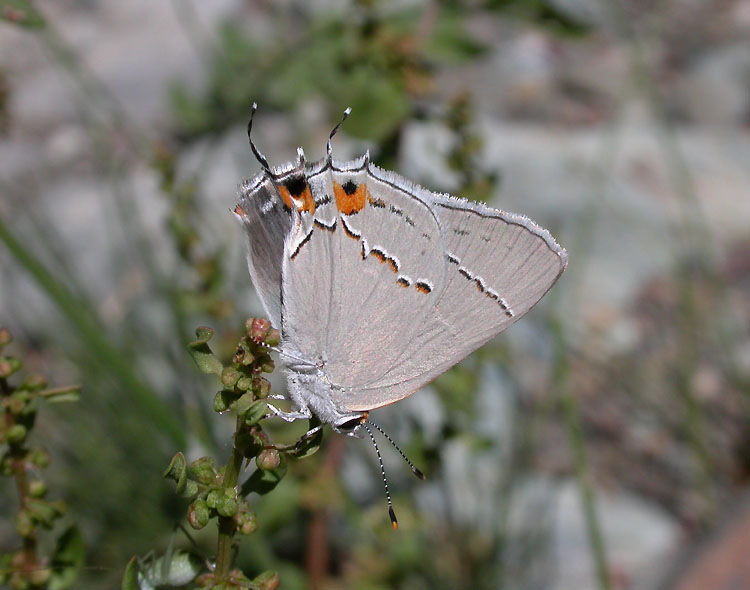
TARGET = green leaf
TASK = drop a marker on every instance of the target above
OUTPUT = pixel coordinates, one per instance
(21, 13)
(67, 560)
(202, 354)
(130, 577)
(263, 481)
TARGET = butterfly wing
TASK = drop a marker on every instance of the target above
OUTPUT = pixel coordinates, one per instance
(497, 266)
(267, 222)
(356, 295)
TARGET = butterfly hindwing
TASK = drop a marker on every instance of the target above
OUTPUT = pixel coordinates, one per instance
(497, 266)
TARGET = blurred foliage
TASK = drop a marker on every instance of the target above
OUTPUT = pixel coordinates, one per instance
(373, 61)
(21, 13)
(470, 524)
(27, 568)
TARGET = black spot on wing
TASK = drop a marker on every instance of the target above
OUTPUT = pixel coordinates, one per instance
(350, 187)
(296, 185)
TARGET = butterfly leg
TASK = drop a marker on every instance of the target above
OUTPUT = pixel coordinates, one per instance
(302, 413)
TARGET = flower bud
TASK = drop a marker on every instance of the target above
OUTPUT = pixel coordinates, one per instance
(245, 384)
(203, 470)
(198, 514)
(213, 497)
(263, 388)
(272, 338)
(37, 488)
(247, 522)
(24, 524)
(258, 329)
(8, 366)
(268, 459)
(227, 506)
(39, 458)
(16, 434)
(229, 377)
(222, 401)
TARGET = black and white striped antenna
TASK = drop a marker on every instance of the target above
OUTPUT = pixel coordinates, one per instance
(259, 156)
(329, 149)
(417, 472)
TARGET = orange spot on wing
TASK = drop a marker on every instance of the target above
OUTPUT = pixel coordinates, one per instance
(238, 210)
(286, 197)
(348, 203)
(308, 203)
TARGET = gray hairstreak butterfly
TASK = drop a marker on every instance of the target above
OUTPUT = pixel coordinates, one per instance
(379, 285)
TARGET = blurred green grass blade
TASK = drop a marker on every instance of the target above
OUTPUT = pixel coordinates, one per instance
(21, 13)
(577, 445)
(116, 362)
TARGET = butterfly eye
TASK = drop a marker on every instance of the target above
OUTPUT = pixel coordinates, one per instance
(349, 425)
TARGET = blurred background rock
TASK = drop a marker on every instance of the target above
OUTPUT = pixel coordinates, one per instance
(596, 444)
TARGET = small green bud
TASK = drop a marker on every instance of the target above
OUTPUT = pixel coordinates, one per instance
(229, 377)
(213, 497)
(16, 434)
(227, 506)
(268, 459)
(191, 489)
(39, 458)
(198, 514)
(8, 366)
(203, 470)
(24, 524)
(245, 384)
(37, 488)
(264, 388)
(17, 402)
(272, 338)
(243, 356)
(223, 400)
(268, 366)
(247, 522)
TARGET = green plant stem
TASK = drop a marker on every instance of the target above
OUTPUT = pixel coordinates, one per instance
(227, 526)
(580, 461)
